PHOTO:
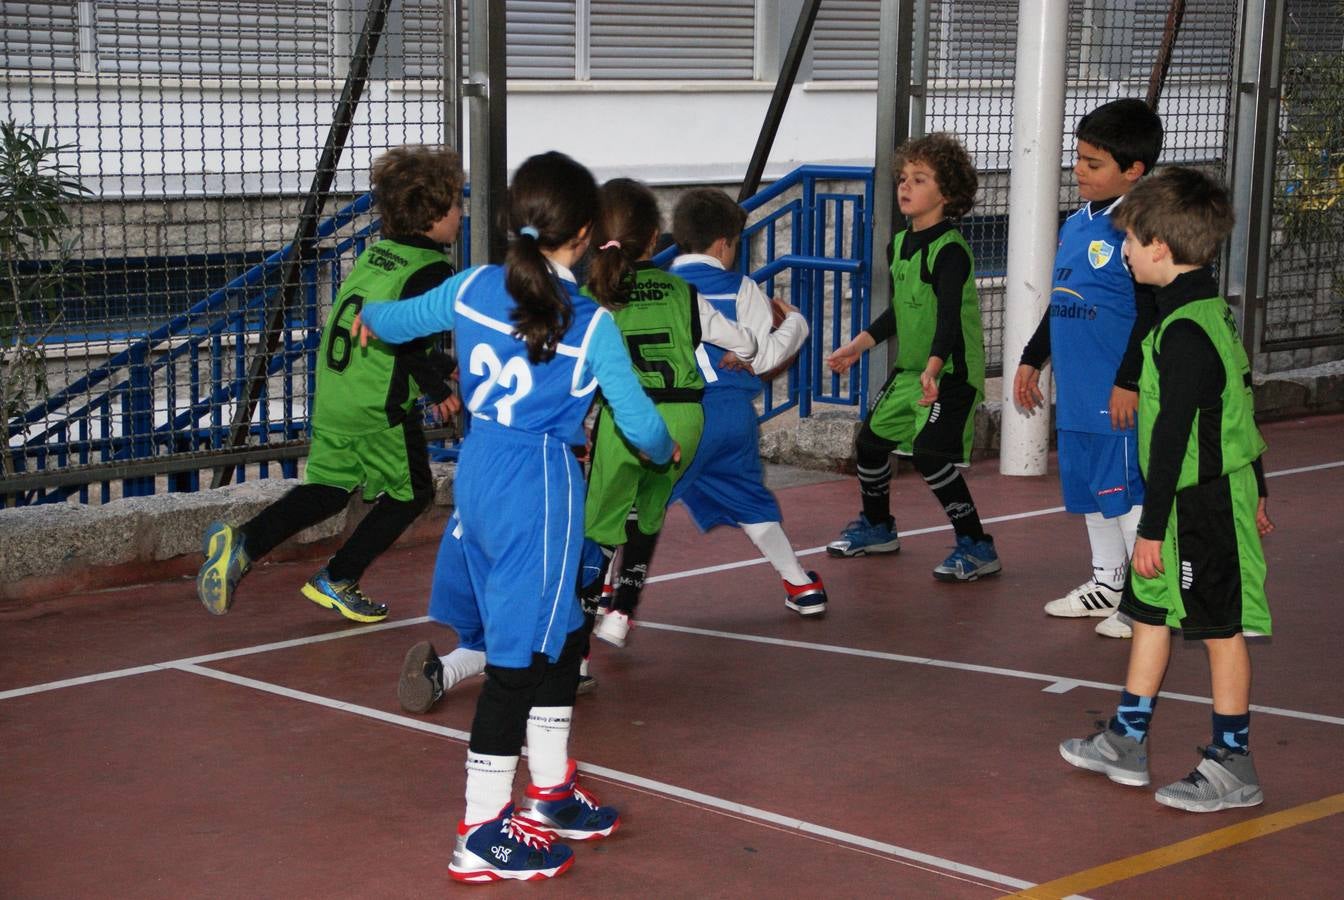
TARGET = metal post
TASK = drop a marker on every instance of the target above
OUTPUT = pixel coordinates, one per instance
(779, 99)
(894, 59)
(487, 87)
(452, 92)
(1033, 192)
(919, 68)
(1254, 136)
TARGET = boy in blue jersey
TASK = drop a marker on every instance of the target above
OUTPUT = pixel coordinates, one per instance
(725, 483)
(534, 350)
(1092, 332)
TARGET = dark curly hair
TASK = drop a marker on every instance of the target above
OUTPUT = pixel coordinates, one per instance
(415, 186)
(951, 166)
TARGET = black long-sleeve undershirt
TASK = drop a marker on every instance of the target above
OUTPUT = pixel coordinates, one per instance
(1190, 377)
(948, 278)
(430, 371)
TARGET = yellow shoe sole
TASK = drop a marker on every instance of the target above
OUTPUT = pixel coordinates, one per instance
(326, 602)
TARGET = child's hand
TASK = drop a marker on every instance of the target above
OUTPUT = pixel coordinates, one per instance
(1262, 522)
(1124, 405)
(676, 453)
(780, 310)
(928, 386)
(842, 358)
(1147, 557)
(1027, 387)
(733, 361)
(446, 408)
(361, 332)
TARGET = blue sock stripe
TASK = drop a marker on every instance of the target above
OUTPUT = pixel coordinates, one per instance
(1232, 732)
(1133, 715)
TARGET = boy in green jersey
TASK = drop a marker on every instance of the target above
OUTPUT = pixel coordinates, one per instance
(1198, 564)
(926, 410)
(366, 429)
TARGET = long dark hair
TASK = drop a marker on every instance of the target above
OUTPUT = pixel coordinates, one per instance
(621, 235)
(551, 199)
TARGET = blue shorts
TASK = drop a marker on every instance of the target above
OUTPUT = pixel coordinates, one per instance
(1100, 472)
(507, 572)
(725, 483)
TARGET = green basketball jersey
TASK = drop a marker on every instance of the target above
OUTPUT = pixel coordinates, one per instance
(661, 325)
(1225, 438)
(915, 306)
(361, 389)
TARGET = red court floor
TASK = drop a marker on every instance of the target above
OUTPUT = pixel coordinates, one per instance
(903, 745)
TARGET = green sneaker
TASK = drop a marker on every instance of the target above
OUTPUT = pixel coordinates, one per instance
(1224, 779)
(343, 596)
(1119, 757)
(226, 562)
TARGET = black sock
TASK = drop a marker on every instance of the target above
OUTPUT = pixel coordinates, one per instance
(945, 480)
(635, 559)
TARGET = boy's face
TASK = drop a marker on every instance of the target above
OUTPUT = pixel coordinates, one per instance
(1100, 176)
(445, 229)
(1142, 259)
(918, 194)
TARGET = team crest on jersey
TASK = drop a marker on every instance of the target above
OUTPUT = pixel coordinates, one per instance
(1099, 253)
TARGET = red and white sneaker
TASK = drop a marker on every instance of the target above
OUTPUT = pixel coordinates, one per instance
(806, 599)
(568, 811)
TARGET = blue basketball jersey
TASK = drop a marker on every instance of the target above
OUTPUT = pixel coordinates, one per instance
(720, 287)
(1092, 312)
(498, 381)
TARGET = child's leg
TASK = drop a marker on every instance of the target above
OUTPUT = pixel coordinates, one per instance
(1230, 672)
(636, 556)
(300, 508)
(375, 533)
(770, 539)
(951, 490)
(1148, 658)
(873, 461)
(1110, 549)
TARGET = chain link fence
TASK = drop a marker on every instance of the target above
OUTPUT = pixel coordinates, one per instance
(1304, 306)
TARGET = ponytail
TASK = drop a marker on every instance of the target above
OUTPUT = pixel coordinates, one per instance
(621, 235)
(552, 198)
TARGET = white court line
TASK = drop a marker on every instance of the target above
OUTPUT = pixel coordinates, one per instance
(648, 784)
(1055, 684)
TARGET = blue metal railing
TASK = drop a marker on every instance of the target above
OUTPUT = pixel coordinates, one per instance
(169, 393)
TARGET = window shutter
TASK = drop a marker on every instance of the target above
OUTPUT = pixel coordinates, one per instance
(1204, 45)
(978, 39)
(266, 38)
(648, 39)
(43, 36)
(845, 40)
(539, 39)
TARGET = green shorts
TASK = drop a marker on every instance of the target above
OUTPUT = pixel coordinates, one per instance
(944, 429)
(620, 481)
(1213, 585)
(389, 462)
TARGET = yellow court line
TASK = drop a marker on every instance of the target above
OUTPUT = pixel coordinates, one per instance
(1182, 851)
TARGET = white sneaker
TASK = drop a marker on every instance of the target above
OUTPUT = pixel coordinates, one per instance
(1088, 599)
(613, 628)
(1116, 625)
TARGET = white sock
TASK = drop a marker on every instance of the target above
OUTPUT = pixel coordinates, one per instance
(1129, 526)
(1109, 558)
(770, 539)
(548, 744)
(461, 663)
(489, 785)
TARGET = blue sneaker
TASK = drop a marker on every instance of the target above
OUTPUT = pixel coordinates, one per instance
(343, 596)
(507, 847)
(226, 562)
(970, 560)
(568, 811)
(862, 537)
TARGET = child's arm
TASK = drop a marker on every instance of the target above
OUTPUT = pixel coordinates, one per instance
(432, 371)
(1125, 394)
(1189, 376)
(772, 347)
(719, 330)
(950, 271)
(609, 362)
(405, 320)
(881, 329)
(1026, 383)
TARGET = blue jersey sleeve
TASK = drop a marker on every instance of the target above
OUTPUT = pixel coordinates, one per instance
(415, 317)
(608, 361)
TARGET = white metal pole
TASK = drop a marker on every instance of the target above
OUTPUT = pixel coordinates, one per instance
(1033, 197)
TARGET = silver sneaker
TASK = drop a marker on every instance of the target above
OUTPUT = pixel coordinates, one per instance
(1224, 779)
(1119, 757)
